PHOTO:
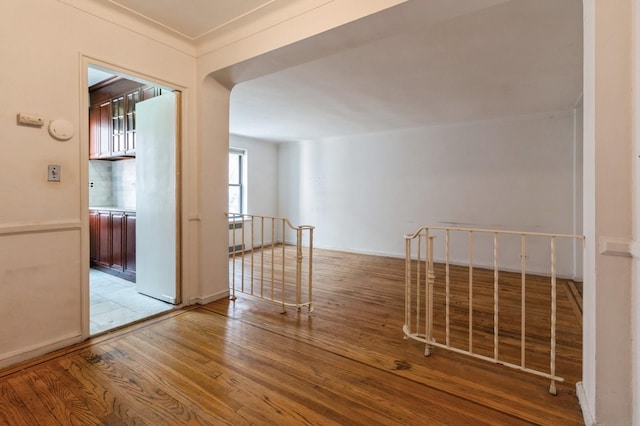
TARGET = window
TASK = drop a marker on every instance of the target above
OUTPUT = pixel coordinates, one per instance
(237, 202)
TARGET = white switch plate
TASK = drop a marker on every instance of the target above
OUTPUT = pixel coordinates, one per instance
(54, 173)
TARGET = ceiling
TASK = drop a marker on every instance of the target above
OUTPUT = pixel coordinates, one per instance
(96, 76)
(422, 63)
(196, 20)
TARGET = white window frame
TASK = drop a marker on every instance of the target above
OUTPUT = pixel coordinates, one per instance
(242, 176)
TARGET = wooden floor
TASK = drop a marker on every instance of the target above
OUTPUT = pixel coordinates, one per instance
(243, 362)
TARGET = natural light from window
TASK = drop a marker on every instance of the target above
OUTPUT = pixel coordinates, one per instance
(236, 181)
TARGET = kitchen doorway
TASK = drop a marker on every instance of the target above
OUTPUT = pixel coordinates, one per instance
(132, 201)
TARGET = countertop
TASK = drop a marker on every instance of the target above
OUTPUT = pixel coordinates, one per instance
(114, 209)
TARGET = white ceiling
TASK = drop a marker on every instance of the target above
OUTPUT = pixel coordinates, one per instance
(422, 63)
(95, 76)
(195, 19)
(418, 64)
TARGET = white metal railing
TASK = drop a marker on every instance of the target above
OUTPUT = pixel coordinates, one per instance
(271, 259)
(516, 251)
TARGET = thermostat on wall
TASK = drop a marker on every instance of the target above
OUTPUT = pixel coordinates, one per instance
(61, 130)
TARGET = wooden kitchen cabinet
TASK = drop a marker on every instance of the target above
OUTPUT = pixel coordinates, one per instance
(148, 92)
(117, 241)
(103, 242)
(93, 232)
(113, 242)
(131, 99)
(112, 118)
(94, 131)
(118, 129)
(130, 243)
(100, 131)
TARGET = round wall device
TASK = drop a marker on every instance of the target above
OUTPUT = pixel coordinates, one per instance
(61, 130)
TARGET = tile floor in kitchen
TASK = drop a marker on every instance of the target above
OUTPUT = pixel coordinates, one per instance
(115, 302)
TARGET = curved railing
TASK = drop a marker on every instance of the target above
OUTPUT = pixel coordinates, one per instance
(271, 259)
(520, 251)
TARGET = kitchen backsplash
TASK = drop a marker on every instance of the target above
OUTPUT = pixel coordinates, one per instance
(100, 186)
(112, 183)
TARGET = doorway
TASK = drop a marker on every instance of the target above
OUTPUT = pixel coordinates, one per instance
(132, 201)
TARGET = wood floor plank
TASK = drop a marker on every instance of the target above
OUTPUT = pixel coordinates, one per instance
(346, 291)
(358, 388)
(347, 362)
(105, 403)
(439, 376)
(13, 409)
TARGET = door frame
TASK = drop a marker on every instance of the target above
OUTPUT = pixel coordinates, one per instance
(86, 62)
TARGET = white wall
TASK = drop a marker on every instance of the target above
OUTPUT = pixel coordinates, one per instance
(606, 391)
(635, 284)
(364, 193)
(578, 177)
(43, 225)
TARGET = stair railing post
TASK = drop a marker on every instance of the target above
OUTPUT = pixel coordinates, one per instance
(431, 278)
(298, 266)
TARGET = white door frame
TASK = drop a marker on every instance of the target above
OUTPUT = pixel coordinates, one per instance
(85, 63)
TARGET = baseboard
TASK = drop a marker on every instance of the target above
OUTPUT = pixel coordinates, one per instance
(587, 416)
(18, 357)
(209, 299)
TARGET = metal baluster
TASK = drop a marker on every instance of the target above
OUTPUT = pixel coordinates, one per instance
(447, 288)
(233, 258)
(262, 258)
(430, 279)
(552, 387)
(523, 304)
(252, 251)
(310, 308)
(496, 331)
(298, 266)
(418, 278)
(273, 254)
(470, 291)
(407, 284)
(241, 254)
(282, 296)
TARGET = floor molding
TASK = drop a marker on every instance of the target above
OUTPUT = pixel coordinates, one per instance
(584, 405)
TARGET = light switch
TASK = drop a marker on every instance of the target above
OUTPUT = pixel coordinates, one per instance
(54, 173)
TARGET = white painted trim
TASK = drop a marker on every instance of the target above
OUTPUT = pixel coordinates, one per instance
(635, 249)
(482, 265)
(587, 416)
(124, 19)
(209, 299)
(614, 246)
(22, 354)
(42, 227)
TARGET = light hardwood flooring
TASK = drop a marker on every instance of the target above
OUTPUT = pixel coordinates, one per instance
(243, 362)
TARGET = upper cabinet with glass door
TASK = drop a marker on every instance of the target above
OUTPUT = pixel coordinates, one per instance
(112, 117)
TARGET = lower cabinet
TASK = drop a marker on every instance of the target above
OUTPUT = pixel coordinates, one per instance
(93, 240)
(104, 239)
(129, 245)
(117, 238)
(113, 242)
